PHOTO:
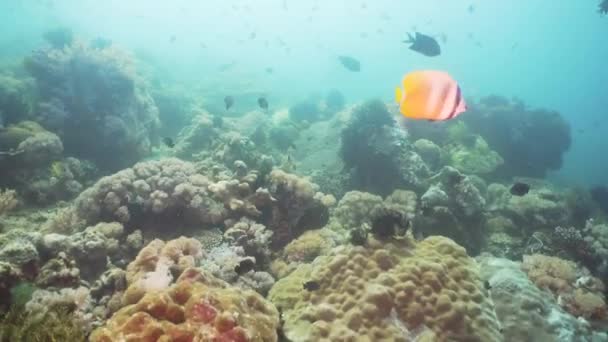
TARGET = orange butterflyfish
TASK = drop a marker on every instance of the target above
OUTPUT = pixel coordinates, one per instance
(430, 95)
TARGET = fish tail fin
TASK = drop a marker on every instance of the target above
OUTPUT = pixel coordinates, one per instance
(398, 94)
(410, 39)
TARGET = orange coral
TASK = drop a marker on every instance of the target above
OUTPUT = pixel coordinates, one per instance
(400, 291)
(198, 307)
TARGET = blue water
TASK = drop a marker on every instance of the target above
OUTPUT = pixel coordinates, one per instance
(551, 54)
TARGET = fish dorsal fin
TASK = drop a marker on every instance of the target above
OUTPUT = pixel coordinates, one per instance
(398, 94)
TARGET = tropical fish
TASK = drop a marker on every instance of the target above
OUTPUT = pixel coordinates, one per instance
(244, 266)
(263, 103)
(430, 95)
(519, 189)
(423, 44)
(350, 63)
(603, 7)
(169, 142)
(228, 101)
(311, 285)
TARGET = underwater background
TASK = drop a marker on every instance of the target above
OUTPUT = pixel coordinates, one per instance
(533, 50)
(240, 171)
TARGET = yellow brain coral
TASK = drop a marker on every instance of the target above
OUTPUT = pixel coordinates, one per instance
(429, 290)
(197, 308)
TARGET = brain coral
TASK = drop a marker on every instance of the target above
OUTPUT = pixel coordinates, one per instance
(198, 307)
(393, 292)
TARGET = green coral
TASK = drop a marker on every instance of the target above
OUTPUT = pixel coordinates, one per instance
(13, 135)
(477, 158)
(458, 132)
(56, 325)
(22, 293)
(16, 98)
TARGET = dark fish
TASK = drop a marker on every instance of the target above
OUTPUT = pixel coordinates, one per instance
(228, 101)
(269, 70)
(350, 63)
(311, 285)
(487, 285)
(169, 142)
(244, 266)
(172, 39)
(252, 35)
(471, 8)
(263, 103)
(423, 44)
(519, 189)
(603, 7)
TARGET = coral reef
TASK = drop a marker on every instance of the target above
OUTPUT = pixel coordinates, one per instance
(452, 206)
(513, 131)
(334, 101)
(475, 159)
(166, 186)
(378, 154)
(93, 99)
(542, 208)
(576, 290)
(198, 136)
(390, 292)
(527, 313)
(156, 264)
(77, 301)
(305, 111)
(197, 307)
(298, 206)
(8, 201)
(430, 153)
(58, 324)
